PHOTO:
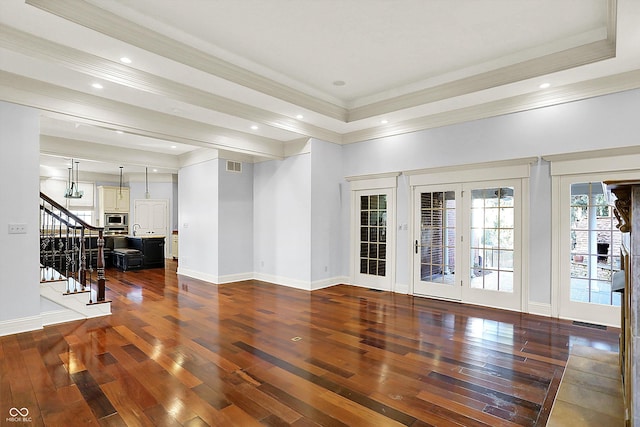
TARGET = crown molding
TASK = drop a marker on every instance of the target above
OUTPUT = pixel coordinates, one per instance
(108, 113)
(105, 22)
(632, 150)
(523, 161)
(114, 26)
(543, 65)
(107, 70)
(562, 94)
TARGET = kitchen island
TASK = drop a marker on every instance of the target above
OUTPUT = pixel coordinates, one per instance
(152, 248)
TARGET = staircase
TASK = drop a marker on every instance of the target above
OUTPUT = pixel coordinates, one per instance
(71, 265)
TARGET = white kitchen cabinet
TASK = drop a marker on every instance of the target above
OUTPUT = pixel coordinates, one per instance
(174, 245)
(110, 200)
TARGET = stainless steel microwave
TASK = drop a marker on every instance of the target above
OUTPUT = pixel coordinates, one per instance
(116, 219)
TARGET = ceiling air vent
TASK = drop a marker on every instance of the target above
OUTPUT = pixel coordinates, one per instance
(234, 166)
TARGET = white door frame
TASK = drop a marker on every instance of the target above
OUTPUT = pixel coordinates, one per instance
(518, 169)
(561, 304)
(372, 183)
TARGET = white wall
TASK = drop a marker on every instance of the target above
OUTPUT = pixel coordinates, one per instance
(235, 223)
(198, 220)
(282, 221)
(599, 123)
(19, 253)
(327, 259)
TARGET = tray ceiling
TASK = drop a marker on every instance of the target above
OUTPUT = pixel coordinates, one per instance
(254, 79)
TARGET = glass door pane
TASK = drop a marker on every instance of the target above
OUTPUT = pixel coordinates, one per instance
(436, 257)
(595, 246)
(373, 234)
(492, 239)
(438, 236)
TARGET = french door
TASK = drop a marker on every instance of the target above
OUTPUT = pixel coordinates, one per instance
(467, 242)
(589, 251)
(436, 266)
(374, 238)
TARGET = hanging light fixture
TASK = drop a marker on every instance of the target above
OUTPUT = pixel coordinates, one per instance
(147, 195)
(72, 191)
(120, 191)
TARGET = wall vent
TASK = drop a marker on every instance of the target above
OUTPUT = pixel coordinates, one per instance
(234, 166)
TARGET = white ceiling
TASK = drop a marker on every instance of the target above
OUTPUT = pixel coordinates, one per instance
(203, 73)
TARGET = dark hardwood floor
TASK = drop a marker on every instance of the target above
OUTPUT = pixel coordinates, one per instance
(177, 351)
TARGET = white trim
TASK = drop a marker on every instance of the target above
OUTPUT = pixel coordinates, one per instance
(608, 164)
(539, 308)
(54, 317)
(283, 281)
(524, 245)
(520, 168)
(373, 182)
(372, 186)
(205, 277)
(237, 277)
(371, 176)
(23, 324)
(331, 281)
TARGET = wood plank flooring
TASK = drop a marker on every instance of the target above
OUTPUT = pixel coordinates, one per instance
(180, 352)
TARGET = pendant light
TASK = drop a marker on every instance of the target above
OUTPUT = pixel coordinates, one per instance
(72, 191)
(147, 195)
(120, 190)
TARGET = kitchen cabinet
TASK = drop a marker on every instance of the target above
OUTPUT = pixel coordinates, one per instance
(152, 248)
(174, 245)
(110, 200)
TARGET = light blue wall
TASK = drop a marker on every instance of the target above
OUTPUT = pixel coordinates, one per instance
(198, 220)
(19, 253)
(327, 181)
(282, 220)
(235, 220)
(598, 123)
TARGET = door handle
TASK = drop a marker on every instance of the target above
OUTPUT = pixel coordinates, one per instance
(417, 246)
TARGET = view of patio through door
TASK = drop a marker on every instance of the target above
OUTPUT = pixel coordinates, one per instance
(466, 243)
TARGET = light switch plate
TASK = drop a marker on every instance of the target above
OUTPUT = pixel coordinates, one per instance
(17, 228)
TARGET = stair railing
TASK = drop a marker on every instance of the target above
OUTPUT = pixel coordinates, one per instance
(70, 250)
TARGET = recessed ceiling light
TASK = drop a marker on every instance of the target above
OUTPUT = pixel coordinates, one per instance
(120, 132)
(155, 170)
(125, 60)
(96, 86)
(299, 117)
(544, 85)
(339, 83)
(173, 146)
(384, 121)
(254, 127)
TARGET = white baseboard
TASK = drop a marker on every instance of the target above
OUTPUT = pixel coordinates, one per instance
(540, 308)
(277, 280)
(23, 324)
(238, 277)
(331, 281)
(206, 277)
(283, 281)
(54, 317)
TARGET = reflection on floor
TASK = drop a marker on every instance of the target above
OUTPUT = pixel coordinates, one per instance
(590, 393)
